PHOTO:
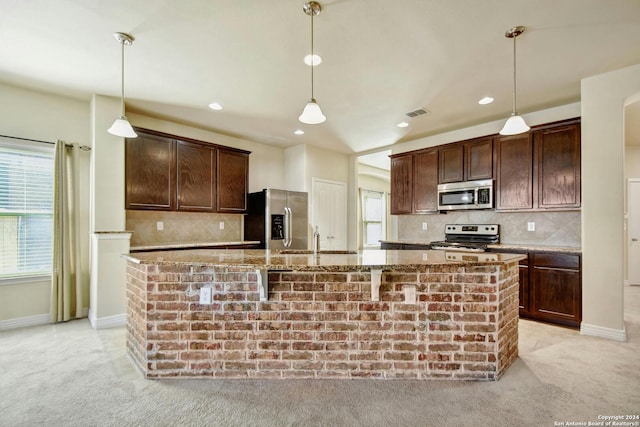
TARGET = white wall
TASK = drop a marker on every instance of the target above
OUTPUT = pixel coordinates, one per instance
(36, 115)
(603, 98)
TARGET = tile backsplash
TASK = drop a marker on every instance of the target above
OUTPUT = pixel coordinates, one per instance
(557, 228)
(182, 227)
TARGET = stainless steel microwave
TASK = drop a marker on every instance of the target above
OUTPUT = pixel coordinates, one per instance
(466, 195)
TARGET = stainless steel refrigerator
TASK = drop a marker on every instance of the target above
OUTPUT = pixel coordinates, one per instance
(278, 219)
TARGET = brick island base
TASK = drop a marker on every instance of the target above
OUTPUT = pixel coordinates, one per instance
(463, 326)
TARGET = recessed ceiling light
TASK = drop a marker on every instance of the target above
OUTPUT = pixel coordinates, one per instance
(402, 124)
(316, 60)
(486, 100)
(215, 106)
(299, 132)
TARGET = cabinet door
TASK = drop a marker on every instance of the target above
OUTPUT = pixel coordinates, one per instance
(558, 167)
(425, 181)
(233, 181)
(479, 159)
(451, 166)
(524, 288)
(401, 184)
(556, 288)
(514, 172)
(150, 172)
(196, 178)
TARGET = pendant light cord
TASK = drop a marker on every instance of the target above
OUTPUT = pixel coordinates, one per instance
(514, 76)
(312, 57)
(122, 80)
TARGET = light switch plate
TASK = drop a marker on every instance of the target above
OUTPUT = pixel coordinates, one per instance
(424, 226)
(159, 225)
(409, 294)
(205, 295)
(221, 225)
(531, 226)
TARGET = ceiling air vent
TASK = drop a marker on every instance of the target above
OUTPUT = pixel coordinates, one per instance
(418, 112)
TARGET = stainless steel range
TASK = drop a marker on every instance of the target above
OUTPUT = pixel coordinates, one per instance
(468, 237)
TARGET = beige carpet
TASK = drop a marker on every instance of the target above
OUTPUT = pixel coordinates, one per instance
(71, 375)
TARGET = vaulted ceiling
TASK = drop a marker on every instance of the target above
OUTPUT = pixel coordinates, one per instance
(381, 59)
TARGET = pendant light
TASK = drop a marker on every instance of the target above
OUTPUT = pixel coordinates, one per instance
(515, 124)
(312, 114)
(122, 127)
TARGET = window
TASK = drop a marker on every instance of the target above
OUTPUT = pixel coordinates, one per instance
(373, 215)
(26, 209)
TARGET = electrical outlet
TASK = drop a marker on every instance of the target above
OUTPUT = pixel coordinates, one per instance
(205, 295)
(531, 226)
(221, 225)
(424, 226)
(159, 225)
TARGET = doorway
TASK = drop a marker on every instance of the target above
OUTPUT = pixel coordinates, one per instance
(633, 231)
(329, 213)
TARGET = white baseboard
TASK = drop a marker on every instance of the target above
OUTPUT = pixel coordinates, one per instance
(38, 319)
(602, 332)
(23, 322)
(107, 322)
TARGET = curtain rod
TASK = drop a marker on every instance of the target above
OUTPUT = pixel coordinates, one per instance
(82, 147)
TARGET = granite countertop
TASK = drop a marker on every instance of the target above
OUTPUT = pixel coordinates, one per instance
(186, 245)
(308, 261)
(525, 247)
(519, 247)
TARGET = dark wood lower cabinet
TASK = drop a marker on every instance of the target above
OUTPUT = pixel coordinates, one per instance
(551, 287)
(524, 288)
(556, 288)
(403, 246)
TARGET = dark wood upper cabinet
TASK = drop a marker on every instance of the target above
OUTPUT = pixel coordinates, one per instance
(425, 181)
(401, 184)
(558, 166)
(167, 172)
(466, 161)
(478, 156)
(196, 177)
(414, 182)
(150, 175)
(539, 170)
(451, 167)
(514, 172)
(233, 183)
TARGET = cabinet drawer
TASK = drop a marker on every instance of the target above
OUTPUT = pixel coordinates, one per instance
(555, 260)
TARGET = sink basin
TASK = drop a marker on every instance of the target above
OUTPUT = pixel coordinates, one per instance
(309, 252)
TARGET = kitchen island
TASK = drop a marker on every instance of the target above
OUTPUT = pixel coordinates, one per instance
(294, 314)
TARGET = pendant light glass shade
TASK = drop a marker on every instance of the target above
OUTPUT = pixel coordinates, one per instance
(312, 114)
(514, 124)
(121, 126)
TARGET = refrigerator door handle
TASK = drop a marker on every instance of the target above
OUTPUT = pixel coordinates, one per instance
(287, 226)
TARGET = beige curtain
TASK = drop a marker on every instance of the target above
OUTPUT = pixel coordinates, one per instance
(66, 281)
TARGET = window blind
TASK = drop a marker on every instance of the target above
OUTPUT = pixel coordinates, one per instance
(26, 209)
